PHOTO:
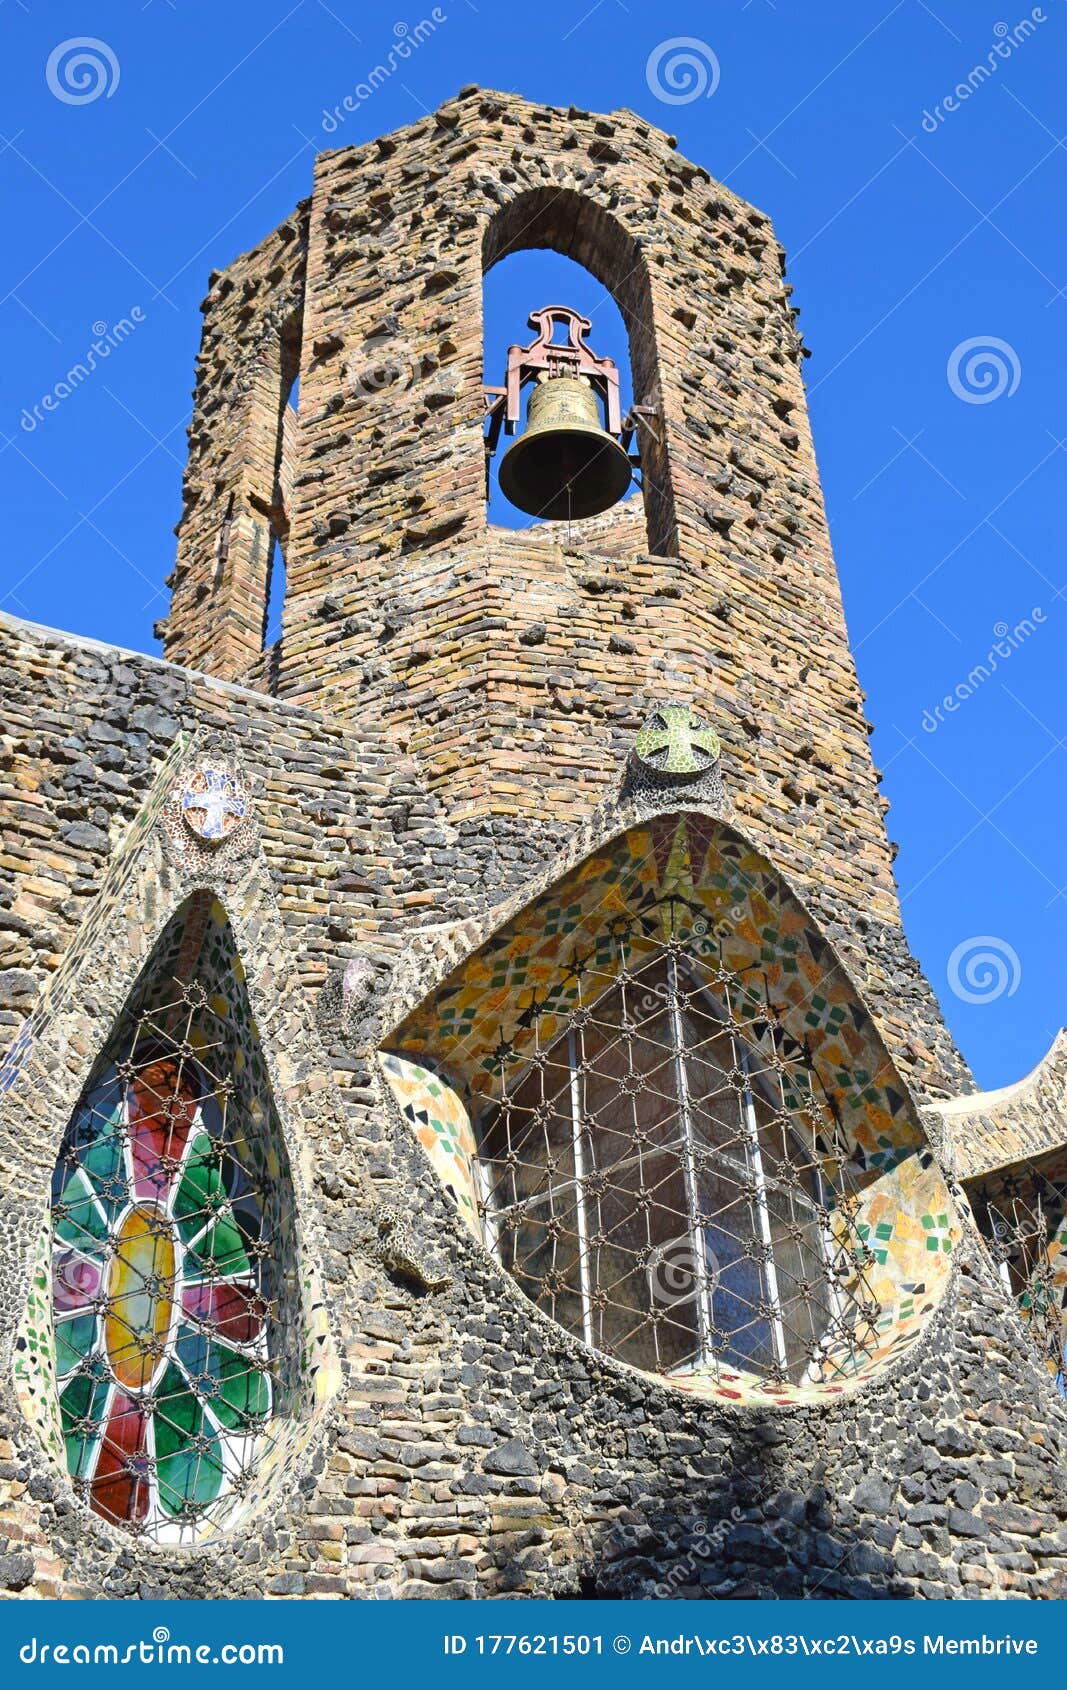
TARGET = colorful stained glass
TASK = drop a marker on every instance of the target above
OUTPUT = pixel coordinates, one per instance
(162, 1255)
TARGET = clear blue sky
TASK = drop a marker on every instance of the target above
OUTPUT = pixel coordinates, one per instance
(910, 234)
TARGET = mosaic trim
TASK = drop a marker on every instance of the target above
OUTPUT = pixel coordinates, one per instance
(208, 817)
(689, 881)
(442, 1126)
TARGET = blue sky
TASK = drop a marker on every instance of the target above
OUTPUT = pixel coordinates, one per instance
(927, 248)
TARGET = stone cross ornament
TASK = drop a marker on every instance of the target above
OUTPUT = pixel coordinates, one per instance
(213, 805)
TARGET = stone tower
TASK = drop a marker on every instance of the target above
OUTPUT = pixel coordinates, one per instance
(472, 1119)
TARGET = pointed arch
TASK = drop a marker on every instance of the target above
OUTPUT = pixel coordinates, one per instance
(172, 1276)
(692, 1149)
(143, 914)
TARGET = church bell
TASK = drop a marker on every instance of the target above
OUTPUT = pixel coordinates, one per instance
(564, 464)
(571, 459)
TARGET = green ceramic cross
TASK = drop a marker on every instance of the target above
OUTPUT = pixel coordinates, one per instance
(675, 741)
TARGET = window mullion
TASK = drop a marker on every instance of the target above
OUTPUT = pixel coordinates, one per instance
(770, 1270)
(490, 1207)
(705, 1321)
(584, 1266)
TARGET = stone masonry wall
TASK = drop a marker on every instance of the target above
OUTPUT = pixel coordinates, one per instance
(513, 667)
(236, 476)
(447, 716)
(474, 1448)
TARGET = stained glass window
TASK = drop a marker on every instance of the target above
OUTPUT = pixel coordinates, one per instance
(165, 1207)
(666, 1180)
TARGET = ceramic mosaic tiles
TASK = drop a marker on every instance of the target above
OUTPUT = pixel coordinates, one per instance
(171, 1251)
(442, 1126)
(675, 741)
(687, 887)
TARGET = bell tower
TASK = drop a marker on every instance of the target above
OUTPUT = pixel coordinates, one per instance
(567, 1195)
(514, 666)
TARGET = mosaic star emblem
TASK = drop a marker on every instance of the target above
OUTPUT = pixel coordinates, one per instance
(213, 805)
(676, 741)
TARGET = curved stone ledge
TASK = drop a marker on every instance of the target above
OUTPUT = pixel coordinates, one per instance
(993, 1129)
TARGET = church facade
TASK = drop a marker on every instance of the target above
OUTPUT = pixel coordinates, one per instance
(471, 1122)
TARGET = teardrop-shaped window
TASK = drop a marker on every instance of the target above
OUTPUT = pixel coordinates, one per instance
(171, 1218)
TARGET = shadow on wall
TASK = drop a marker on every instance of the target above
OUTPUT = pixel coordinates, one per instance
(755, 1538)
(751, 1536)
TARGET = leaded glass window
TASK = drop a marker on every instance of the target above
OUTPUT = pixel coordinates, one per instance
(166, 1207)
(667, 1180)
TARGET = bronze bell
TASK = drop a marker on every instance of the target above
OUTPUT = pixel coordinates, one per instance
(565, 464)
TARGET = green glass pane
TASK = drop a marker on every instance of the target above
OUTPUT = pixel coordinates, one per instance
(83, 1400)
(200, 1188)
(223, 1246)
(74, 1340)
(99, 1144)
(236, 1392)
(188, 1458)
(84, 1223)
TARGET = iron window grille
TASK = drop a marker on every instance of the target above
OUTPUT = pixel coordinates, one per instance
(1023, 1217)
(667, 1179)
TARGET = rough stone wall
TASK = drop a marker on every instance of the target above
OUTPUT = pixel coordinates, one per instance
(241, 447)
(474, 1449)
(513, 667)
(993, 1129)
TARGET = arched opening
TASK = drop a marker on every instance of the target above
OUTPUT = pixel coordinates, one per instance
(657, 1097)
(523, 282)
(1021, 1211)
(285, 455)
(172, 1290)
(557, 247)
(272, 616)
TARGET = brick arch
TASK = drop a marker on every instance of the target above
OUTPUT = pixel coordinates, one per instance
(576, 226)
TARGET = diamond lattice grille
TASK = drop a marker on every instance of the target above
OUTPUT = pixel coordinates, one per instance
(165, 1215)
(667, 1180)
(1023, 1216)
